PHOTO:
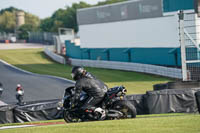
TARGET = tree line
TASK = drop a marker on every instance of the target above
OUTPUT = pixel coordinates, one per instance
(65, 18)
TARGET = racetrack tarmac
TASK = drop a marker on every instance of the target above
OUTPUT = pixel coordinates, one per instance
(4, 46)
(37, 87)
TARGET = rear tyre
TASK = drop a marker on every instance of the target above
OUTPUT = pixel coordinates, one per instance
(70, 118)
(125, 107)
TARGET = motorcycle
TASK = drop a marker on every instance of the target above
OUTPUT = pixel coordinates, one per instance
(113, 103)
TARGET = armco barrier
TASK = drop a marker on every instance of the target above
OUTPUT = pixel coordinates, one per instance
(128, 66)
(137, 67)
(54, 56)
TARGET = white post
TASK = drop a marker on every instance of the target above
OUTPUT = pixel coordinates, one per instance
(182, 42)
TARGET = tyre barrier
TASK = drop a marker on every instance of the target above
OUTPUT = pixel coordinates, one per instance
(172, 101)
(33, 111)
(139, 101)
(6, 114)
(162, 86)
(197, 94)
(153, 102)
(167, 101)
(183, 84)
(177, 85)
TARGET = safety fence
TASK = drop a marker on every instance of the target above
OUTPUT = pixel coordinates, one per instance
(7, 36)
(41, 37)
(189, 28)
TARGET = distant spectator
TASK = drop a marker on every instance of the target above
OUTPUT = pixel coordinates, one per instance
(1, 89)
(20, 94)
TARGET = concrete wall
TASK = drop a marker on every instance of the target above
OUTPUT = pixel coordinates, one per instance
(155, 56)
(151, 32)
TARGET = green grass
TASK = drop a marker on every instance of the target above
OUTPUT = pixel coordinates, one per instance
(34, 60)
(184, 123)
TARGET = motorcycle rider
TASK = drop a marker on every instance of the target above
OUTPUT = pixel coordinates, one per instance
(1, 89)
(95, 88)
(19, 94)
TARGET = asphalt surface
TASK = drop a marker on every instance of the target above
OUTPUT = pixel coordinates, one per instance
(36, 87)
(4, 46)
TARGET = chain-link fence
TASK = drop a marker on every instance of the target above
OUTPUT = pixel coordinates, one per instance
(42, 37)
(6, 36)
(190, 50)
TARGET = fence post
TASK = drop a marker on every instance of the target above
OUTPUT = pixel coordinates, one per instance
(182, 43)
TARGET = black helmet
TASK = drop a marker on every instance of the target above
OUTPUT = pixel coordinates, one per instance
(77, 72)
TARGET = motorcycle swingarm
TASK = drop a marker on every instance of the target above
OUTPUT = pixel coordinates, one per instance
(114, 113)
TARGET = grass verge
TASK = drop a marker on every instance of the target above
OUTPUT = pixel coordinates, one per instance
(184, 123)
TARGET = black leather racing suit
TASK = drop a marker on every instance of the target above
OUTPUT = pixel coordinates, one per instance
(95, 88)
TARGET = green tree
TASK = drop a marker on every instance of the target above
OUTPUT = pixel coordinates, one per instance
(109, 2)
(65, 18)
(31, 19)
(10, 9)
(71, 19)
(7, 22)
(24, 29)
(46, 24)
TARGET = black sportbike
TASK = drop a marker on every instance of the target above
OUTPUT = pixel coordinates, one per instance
(113, 103)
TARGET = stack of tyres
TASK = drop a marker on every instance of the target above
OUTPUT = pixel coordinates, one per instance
(6, 114)
(161, 86)
(197, 94)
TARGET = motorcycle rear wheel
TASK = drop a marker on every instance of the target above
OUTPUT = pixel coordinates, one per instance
(70, 118)
(125, 107)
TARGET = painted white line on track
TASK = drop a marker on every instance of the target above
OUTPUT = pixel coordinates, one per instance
(20, 126)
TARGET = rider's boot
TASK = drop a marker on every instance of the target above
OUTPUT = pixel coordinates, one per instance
(102, 112)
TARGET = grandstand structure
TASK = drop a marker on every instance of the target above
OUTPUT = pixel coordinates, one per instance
(135, 31)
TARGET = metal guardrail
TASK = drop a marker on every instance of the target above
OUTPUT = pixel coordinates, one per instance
(137, 67)
(53, 56)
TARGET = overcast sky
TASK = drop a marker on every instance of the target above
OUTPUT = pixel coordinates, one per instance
(41, 8)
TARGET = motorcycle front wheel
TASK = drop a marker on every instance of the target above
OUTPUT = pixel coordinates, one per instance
(125, 107)
(70, 117)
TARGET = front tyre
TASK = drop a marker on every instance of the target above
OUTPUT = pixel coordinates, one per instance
(125, 107)
(70, 117)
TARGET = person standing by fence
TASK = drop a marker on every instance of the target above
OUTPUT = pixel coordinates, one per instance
(19, 94)
(1, 89)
